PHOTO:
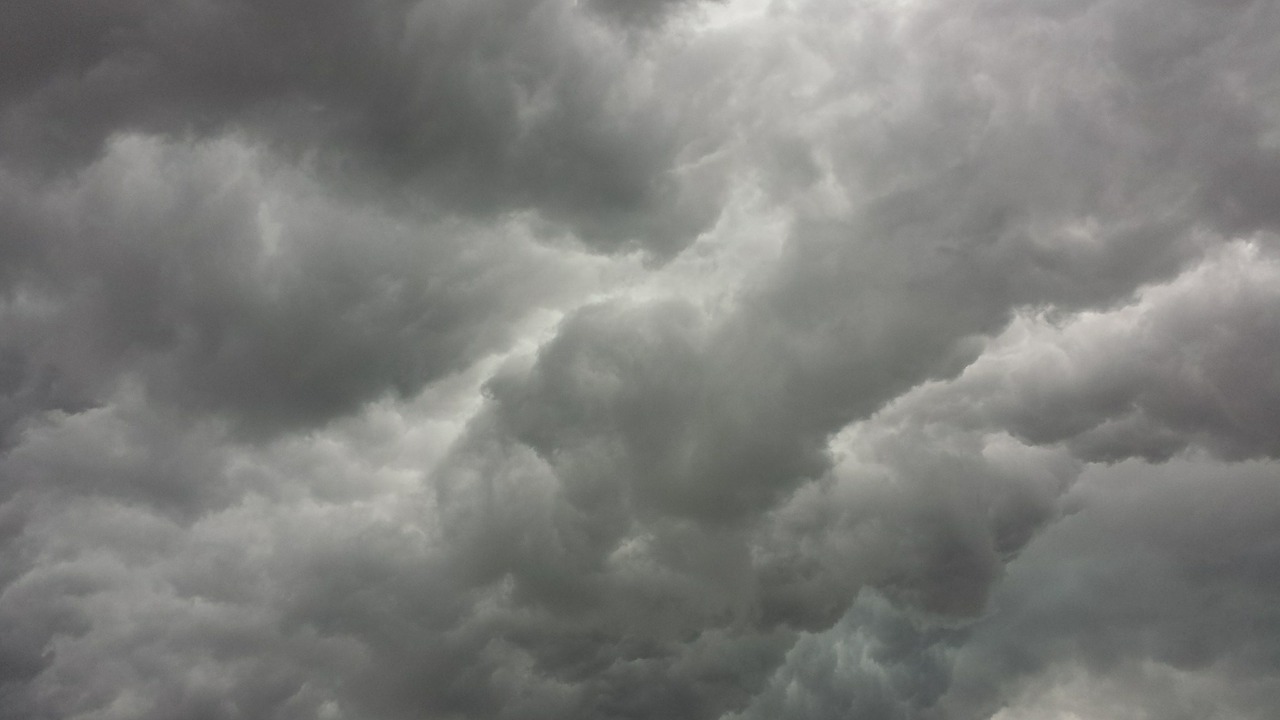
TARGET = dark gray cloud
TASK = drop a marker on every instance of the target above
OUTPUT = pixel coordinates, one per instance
(639, 12)
(723, 360)
(222, 284)
(485, 107)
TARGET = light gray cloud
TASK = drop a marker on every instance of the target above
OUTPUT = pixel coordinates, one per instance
(1153, 598)
(1161, 579)
(1146, 380)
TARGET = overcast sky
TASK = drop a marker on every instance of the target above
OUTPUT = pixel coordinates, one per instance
(639, 359)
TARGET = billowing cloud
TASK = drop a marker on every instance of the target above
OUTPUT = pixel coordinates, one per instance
(524, 105)
(221, 283)
(722, 360)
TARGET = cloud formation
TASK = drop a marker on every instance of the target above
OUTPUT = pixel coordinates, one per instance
(724, 360)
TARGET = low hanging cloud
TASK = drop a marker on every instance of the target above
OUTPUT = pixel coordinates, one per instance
(710, 360)
(486, 108)
(273, 300)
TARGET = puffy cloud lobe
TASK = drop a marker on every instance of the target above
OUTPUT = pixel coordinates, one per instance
(943, 446)
(486, 107)
(221, 284)
(876, 663)
(1186, 363)
(642, 398)
(1151, 599)
(164, 567)
(936, 478)
(1161, 579)
(599, 599)
(641, 12)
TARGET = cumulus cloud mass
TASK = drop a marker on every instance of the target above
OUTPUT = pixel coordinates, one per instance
(640, 359)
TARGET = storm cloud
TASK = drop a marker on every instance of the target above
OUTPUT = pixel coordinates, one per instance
(718, 360)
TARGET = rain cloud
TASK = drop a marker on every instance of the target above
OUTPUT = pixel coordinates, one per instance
(629, 360)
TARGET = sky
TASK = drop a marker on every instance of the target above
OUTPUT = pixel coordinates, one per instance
(639, 359)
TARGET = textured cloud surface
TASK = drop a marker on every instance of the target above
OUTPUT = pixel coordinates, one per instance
(640, 359)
